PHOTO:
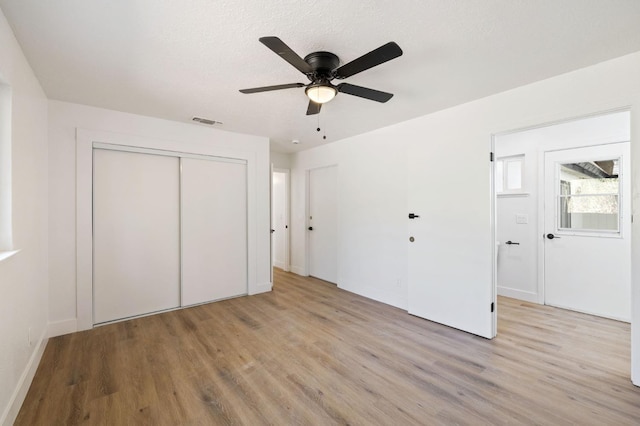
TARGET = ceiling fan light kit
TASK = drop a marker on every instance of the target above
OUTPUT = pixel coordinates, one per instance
(322, 67)
(321, 93)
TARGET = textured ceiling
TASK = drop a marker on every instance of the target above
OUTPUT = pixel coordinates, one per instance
(176, 59)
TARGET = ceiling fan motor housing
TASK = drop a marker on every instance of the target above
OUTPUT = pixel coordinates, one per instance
(323, 64)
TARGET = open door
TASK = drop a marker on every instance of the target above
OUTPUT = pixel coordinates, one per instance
(450, 241)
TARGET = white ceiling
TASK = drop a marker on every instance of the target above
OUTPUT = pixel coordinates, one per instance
(176, 59)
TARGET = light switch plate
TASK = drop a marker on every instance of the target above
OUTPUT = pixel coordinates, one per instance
(522, 218)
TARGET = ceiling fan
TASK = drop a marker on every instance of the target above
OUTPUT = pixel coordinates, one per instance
(322, 67)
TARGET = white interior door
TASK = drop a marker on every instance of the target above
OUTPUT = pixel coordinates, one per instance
(323, 223)
(214, 230)
(279, 223)
(136, 234)
(451, 254)
(587, 223)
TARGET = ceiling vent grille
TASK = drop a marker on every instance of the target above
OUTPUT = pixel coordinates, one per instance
(205, 121)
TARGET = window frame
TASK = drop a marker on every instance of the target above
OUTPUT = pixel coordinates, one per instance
(504, 161)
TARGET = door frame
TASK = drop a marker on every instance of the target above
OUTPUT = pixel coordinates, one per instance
(287, 209)
(541, 123)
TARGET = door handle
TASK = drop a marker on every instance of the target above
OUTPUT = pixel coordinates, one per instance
(413, 216)
(512, 243)
(551, 236)
(310, 228)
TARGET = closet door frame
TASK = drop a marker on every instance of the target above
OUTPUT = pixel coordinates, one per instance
(86, 141)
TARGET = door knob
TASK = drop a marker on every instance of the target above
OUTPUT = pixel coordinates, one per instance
(413, 216)
(311, 228)
(551, 236)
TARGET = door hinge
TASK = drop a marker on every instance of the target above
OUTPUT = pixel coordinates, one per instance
(492, 306)
(491, 156)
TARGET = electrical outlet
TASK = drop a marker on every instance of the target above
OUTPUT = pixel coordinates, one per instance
(522, 218)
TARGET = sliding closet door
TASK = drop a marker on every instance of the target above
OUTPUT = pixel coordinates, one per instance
(214, 230)
(136, 252)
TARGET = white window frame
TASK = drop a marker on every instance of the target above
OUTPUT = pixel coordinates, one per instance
(6, 225)
(604, 233)
(505, 176)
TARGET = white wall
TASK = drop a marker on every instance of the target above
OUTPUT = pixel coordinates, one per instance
(64, 118)
(280, 160)
(373, 180)
(518, 265)
(372, 218)
(23, 277)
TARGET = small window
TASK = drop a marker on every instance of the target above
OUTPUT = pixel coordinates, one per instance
(509, 174)
(5, 168)
(588, 196)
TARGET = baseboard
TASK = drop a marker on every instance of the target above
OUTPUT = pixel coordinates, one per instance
(262, 288)
(13, 408)
(299, 271)
(278, 264)
(518, 294)
(59, 328)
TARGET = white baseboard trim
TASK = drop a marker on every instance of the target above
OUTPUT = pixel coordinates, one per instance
(262, 288)
(59, 328)
(15, 403)
(518, 294)
(278, 264)
(299, 271)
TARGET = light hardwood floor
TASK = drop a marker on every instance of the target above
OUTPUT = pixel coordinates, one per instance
(309, 353)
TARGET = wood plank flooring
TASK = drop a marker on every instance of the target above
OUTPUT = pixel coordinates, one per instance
(309, 353)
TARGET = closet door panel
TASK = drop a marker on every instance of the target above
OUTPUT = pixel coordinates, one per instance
(136, 234)
(214, 230)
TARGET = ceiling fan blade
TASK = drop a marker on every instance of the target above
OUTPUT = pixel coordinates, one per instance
(376, 57)
(285, 52)
(313, 108)
(269, 88)
(364, 92)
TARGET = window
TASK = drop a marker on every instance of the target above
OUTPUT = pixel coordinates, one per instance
(588, 196)
(509, 174)
(5, 168)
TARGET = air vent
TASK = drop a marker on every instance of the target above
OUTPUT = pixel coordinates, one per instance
(205, 121)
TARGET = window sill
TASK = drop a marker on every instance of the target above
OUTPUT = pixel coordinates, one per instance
(512, 194)
(4, 255)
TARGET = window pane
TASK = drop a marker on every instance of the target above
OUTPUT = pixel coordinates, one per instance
(595, 177)
(588, 197)
(592, 212)
(499, 176)
(514, 174)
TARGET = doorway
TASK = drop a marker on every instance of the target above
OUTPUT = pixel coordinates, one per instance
(280, 218)
(563, 211)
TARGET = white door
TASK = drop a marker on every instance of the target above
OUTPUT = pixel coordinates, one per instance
(214, 230)
(451, 255)
(587, 224)
(279, 225)
(136, 234)
(323, 223)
